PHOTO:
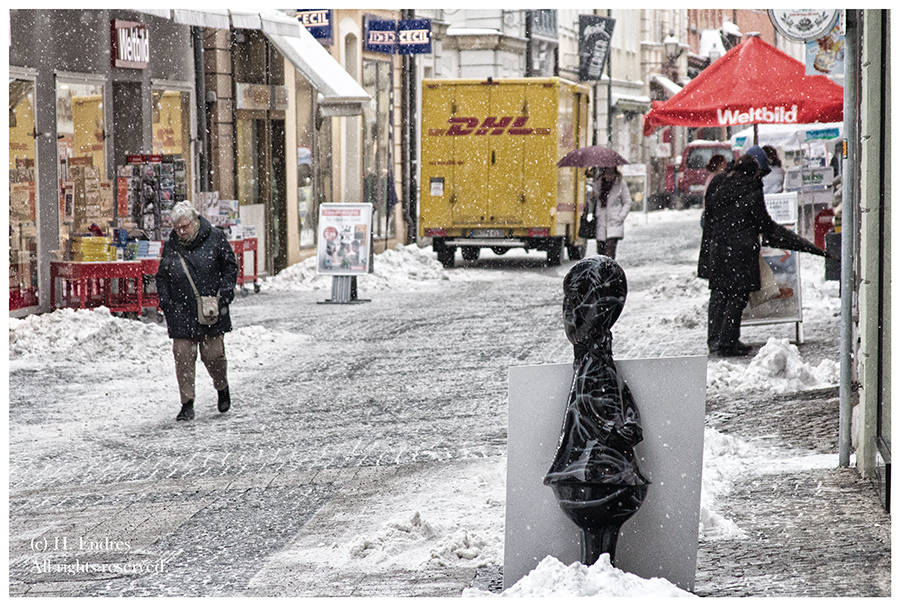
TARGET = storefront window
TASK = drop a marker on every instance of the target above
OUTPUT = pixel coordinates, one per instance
(85, 194)
(172, 131)
(377, 82)
(23, 276)
(248, 161)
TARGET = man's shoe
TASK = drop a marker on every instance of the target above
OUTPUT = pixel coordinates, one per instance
(733, 351)
(187, 411)
(224, 400)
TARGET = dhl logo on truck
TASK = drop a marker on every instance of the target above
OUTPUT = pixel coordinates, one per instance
(461, 126)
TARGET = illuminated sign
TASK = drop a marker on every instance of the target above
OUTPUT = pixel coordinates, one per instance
(406, 37)
(317, 22)
(414, 36)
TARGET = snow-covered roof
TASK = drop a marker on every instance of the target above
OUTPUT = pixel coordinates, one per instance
(711, 42)
(665, 83)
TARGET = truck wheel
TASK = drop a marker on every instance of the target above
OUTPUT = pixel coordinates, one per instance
(576, 251)
(554, 252)
(470, 253)
(499, 250)
(447, 256)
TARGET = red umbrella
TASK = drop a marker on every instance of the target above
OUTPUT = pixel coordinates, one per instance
(753, 83)
(592, 155)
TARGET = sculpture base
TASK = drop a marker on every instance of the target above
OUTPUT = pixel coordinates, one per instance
(599, 510)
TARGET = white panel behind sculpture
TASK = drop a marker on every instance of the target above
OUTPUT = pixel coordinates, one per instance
(660, 540)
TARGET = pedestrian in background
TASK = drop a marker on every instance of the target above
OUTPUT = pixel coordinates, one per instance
(197, 258)
(735, 218)
(773, 183)
(716, 164)
(611, 203)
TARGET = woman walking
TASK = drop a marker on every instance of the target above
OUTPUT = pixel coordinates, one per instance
(197, 261)
(611, 203)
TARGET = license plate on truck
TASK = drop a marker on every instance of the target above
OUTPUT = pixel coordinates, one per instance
(488, 233)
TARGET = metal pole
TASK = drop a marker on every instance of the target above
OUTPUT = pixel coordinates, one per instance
(201, 107)
(848, 231)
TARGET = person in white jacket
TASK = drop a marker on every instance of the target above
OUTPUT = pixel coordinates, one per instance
(610, 204)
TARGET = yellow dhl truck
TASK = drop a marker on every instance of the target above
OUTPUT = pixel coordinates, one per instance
(489, 178)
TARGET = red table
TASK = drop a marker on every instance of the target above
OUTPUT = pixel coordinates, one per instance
(240, 247)
(90, 284)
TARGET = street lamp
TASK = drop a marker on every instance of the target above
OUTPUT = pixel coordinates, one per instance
(672, 47)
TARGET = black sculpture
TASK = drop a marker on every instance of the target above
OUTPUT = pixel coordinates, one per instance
(595, 475)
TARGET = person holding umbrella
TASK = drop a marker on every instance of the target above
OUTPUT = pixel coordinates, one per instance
(609, 201)
(734, 219)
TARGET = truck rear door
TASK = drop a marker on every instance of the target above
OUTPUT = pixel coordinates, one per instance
(471, 153)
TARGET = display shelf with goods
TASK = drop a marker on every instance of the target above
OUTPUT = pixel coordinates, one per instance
(23, 278)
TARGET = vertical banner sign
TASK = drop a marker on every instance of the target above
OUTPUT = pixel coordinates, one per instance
(381, 35)
(130, 44)
(317, 21)
(414, 36)
(345, 242)
(594, 36)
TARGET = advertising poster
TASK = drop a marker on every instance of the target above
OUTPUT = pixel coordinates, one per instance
(785, 264)
(345, 241)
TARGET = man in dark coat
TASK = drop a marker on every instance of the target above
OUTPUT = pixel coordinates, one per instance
(213, 268)
(735, 217)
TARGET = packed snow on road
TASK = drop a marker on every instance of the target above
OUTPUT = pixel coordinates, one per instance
(457, 519)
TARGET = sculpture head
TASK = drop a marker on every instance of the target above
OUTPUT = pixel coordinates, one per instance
(594, 293)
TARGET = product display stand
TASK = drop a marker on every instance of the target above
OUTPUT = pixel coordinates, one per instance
(343, 291)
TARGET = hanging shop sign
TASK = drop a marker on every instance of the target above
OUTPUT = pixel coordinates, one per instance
(825, 55)
(317, 22)
(344, 242)
(406, 37)
(381, 35)
(594, 35)
(414, 36)
(802, 24)
(130, 44)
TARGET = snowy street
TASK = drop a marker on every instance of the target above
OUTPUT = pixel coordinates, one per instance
(365, 452)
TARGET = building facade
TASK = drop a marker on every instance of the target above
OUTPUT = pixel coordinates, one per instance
(88, 89)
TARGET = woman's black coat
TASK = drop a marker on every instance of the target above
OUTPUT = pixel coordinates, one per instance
(214, 269)
(734, 219)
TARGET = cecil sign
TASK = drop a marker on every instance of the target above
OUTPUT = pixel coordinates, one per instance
(130, 44)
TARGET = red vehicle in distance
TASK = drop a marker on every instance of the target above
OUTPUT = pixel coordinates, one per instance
(691, 174)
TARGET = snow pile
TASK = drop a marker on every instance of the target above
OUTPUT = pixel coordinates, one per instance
(86, 336)
(777, 368)
(724, 459)
(552, 578)
(821, 298)
(397, 269)
(98, 338)
(676, 287)
(422, 544)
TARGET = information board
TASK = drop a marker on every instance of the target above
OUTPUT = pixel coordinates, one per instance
(785, 266)
(344, 239)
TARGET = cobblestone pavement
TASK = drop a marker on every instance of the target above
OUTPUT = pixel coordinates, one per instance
(198, 509)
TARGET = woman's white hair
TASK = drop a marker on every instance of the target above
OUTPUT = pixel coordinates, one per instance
(183, 210)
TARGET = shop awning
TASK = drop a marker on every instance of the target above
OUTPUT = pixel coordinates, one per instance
(216, 18)
(341, 95)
